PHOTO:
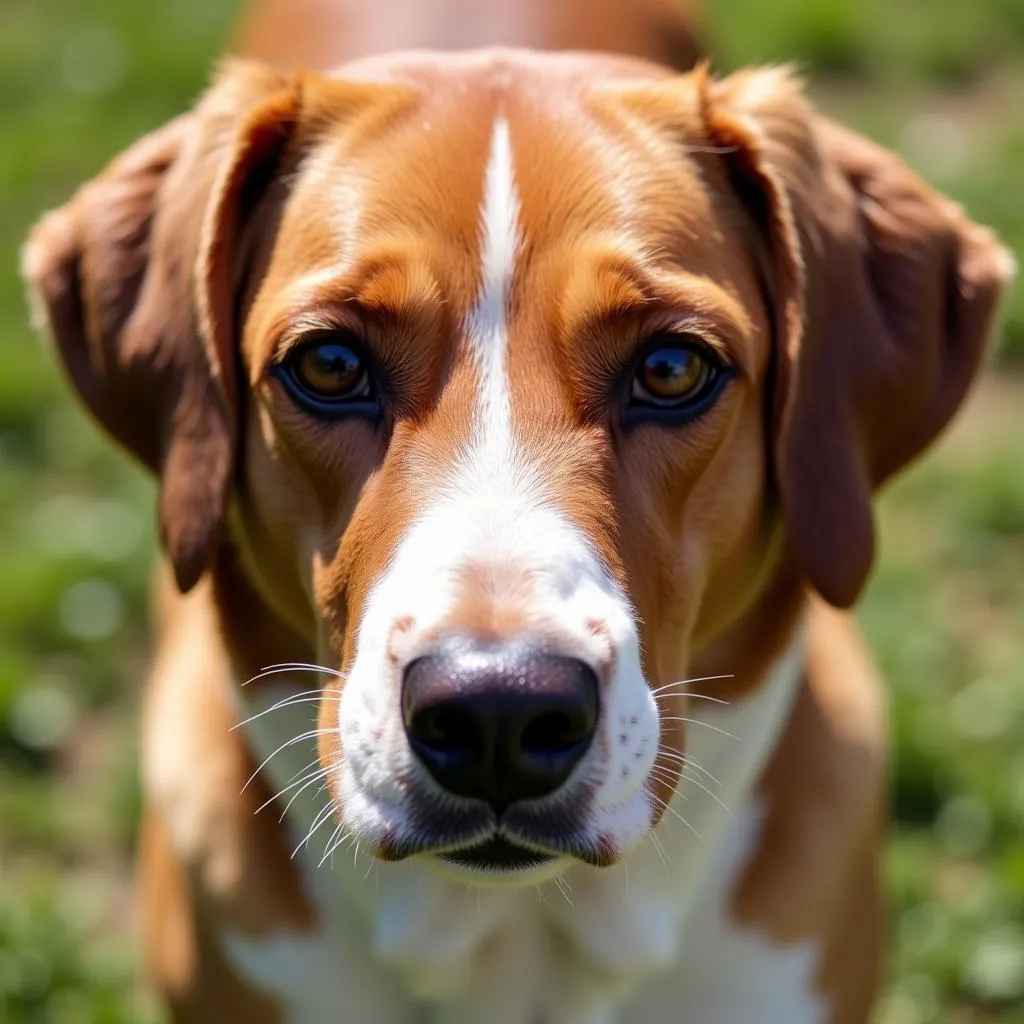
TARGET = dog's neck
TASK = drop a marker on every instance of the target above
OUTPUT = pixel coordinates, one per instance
(584, 939)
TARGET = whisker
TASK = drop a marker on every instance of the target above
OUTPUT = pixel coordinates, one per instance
(295, 775)
(324, 814)
(686, 762)
(668, 774)
(690, 762)
(313, 696)
(691, 696)
(707, 725)
(659, 848)
(676, 795)
(287, 743)
(293, 666)
(665, 805)
(291, 800)
(563, 888)
(690, 682)
(331, 845)
(339, 842)
(670, 780)
(292, 783)
(311, 666)
(307, 781)
(714, 796)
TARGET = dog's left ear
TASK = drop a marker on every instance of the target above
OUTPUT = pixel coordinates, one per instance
(136, 280)
(885, 294)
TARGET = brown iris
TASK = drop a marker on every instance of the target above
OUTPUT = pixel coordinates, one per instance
(673, 375)
(328, 377)
(329, 370)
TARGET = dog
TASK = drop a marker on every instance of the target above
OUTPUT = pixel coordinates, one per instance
(517, 414)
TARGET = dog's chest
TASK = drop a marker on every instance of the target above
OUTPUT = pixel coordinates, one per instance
(430, 954)
(418, 947)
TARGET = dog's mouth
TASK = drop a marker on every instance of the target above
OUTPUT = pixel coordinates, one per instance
(497, 851)
(529, 837)
(497, 855)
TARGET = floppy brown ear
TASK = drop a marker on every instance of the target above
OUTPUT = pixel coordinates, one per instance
(885, 294)
(135, 279)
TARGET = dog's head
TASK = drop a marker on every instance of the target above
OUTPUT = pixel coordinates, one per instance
(515, 379)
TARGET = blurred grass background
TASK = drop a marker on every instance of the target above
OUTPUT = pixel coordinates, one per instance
(942, 81)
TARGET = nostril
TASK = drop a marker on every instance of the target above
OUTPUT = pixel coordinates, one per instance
(448, 730)
(555, 732)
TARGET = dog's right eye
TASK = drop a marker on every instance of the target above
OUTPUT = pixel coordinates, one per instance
(328, 377)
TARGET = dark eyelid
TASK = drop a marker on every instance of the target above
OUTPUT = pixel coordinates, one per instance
(308, 331)
(694, 341)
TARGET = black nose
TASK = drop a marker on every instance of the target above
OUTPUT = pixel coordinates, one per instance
(499, 722)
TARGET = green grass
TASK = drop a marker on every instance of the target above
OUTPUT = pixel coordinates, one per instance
(942, 80)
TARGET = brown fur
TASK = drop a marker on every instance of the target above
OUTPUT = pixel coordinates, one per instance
(831, 757)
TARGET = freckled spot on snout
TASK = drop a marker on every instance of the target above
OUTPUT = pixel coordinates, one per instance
(399, 630)
(605, 665)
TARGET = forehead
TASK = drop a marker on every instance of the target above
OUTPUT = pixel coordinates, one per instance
(395, 176)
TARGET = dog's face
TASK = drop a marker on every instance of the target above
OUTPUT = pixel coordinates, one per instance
(506, 434)
(518, 378)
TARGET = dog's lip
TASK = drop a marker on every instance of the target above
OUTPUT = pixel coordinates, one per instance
(468, 836)
(497, 854)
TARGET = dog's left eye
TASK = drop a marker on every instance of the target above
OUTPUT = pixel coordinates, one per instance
(676, 380)
(328, 377)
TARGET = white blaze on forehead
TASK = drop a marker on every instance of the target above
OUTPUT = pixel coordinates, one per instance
(488, 326)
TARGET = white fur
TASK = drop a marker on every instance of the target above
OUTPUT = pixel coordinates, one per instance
(488, 326)
(729, 973)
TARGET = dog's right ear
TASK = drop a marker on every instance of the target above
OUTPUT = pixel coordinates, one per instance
(135, 278)
(885, 295)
